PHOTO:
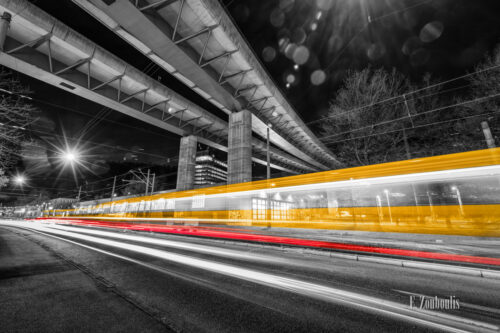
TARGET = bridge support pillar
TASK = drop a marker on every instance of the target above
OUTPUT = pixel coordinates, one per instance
(187, 163)
(4, 27)
(239, 154)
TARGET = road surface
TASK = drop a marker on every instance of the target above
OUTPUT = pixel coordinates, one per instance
(70, 278)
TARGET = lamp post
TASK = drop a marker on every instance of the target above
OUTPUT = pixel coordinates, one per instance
(431, 206)
(268, 156)
(388, 203)
(70, 156)
(379, 209)
(19, 180)
(459, 197)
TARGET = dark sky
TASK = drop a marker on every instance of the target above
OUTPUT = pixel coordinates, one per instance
(327, 38)
(443, 37)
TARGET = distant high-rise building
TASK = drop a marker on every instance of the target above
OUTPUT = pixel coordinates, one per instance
(209, 170)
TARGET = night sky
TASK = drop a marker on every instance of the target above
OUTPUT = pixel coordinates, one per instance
(308, 44)
(443, 37)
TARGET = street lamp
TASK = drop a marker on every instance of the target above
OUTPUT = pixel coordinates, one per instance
(388, 203)
(459, 197)
(19, 180)
(268, 199)
(70, 156)
(431, 205)
(267, 153)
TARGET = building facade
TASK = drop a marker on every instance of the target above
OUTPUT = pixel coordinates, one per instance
(209, 170)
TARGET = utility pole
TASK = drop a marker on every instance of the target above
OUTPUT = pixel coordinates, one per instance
(113, 190)
(79, 193)
(268, 195)
(268, 155)
(147, 183)
(153, 184)
(490, 140)
(407, 146)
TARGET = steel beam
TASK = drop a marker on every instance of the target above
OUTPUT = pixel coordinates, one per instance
(34, 44)
(157, 5)
(225, 54)
(67, 50)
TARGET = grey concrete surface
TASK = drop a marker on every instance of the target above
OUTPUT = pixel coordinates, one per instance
(40, 292)
(453, 244)
(239, 154)
(187, 163)
(193, 299)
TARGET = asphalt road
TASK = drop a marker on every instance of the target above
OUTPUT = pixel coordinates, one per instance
(151, 282)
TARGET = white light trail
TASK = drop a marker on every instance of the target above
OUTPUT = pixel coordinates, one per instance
(391, 309)
(444, 175)
(170, 243)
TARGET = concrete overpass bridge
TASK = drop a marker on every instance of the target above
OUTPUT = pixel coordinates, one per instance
(38, 45)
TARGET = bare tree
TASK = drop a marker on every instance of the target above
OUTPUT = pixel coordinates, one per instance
(16, 114)
(379, 116)
(357, 118)
(486, 91)
(486, 79)
(3, 179)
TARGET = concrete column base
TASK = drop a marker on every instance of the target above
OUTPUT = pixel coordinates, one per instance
(4, 27)
(187, 163)
(239, 155)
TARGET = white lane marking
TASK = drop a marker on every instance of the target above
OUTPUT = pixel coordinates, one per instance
(391, 309)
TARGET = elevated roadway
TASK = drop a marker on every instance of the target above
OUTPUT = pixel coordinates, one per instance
(197, 42)
(38, 45)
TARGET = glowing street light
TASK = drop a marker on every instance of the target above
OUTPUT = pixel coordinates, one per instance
(459, 197)
(70, 156)
(388, 203)
(19, 180)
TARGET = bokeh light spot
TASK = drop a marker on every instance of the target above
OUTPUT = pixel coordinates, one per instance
(290, 50)
(268, 53)
(318, 77)
(286, 5)
(277, 17)
(411, 44)
(324, 4)
(375, 51)
(299, 36)
(301, 55)
(419, 57)
(431, 31)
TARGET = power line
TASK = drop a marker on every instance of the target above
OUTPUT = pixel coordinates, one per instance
(476, 100)
(415, 127)
(409, 93)
(59, 106)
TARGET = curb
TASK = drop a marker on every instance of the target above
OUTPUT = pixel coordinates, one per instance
(404, 263)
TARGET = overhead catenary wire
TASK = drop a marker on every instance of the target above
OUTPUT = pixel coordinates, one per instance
(402, 100)
(59, 106)
(409, 93)
(476, 100)
(414, 127)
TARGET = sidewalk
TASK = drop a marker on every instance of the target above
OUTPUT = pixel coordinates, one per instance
(41, 292)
